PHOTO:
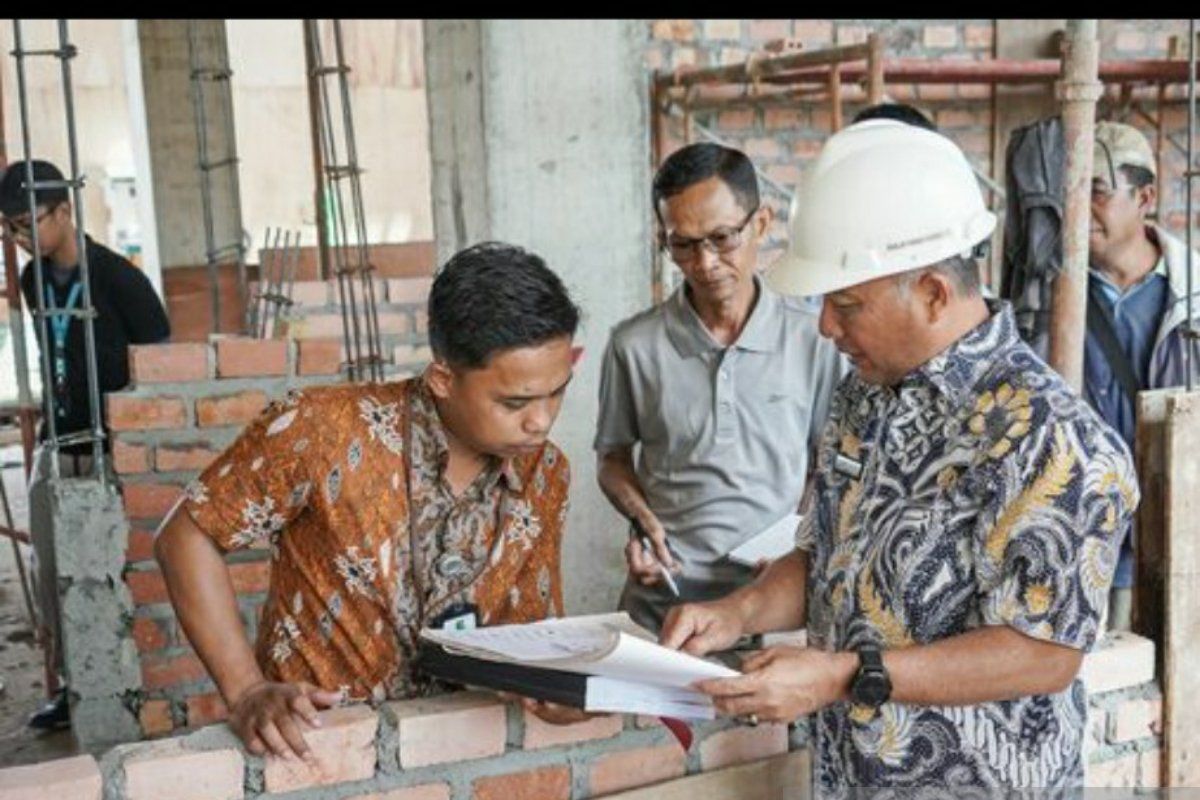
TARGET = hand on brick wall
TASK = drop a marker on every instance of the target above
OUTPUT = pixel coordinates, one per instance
(271, 717)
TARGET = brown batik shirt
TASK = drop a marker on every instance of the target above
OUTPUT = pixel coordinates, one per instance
(345, 485)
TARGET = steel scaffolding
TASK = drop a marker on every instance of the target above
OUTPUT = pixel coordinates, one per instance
(217, 77)
(346, 246)
(86, 313)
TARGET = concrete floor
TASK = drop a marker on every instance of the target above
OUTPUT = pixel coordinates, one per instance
(20, 658)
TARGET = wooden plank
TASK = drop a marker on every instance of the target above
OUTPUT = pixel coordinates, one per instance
(1149, 583)
(1181, 641)
(782, 777)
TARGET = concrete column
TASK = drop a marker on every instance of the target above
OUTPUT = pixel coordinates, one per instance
(90, 535)
(170, 124)
(540, 137)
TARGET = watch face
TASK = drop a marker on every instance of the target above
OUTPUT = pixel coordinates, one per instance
(871, 689)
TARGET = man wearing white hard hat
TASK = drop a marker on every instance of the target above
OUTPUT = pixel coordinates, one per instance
(965, 515)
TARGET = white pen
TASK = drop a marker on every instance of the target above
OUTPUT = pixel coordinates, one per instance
(644, 538)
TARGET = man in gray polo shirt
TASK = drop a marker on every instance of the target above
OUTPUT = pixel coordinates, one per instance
(721, 390)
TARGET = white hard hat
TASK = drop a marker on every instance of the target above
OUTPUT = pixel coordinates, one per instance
(883, 197)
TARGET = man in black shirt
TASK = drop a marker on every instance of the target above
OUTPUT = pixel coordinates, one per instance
(127, 312)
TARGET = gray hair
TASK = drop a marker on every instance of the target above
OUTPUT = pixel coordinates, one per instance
(962, 272)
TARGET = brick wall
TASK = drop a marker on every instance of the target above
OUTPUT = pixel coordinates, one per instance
(185, 404)
(781, 139)
(468, 746)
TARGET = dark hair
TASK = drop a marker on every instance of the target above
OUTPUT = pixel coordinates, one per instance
(492, 297)
(1138, 177)
(901, 112)
(14, 198)
(694, 163)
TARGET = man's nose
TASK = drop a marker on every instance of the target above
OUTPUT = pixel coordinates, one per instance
(825, 323)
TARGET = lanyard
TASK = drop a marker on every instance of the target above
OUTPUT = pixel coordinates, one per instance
(61, 324)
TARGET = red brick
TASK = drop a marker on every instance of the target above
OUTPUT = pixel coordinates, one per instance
(1133, 41)
(806, 148)
(129, 459)
(408, 290)
(161, 363)
(974, 91)
(739, 745)
(632, 768)
(251, 577)
(406, 354)
(959, 118)
(978, 36)
(232, 409)
(937, 91)
(310, 293)
(540, 734)
(126, 413)
(343, 747)
(146, 586)
(852, 34)
(205, 709)
(155, 717)
(159, 673)
(762, 148)
(455, 727)
(426, 791)
(736, 119)
(183, 457)
(727, 29)
(75, 778)
(781, 119)
(787, 175)
(763, 30)
(148, 635)
(319, 356)
(940, 37)
(154, 770)
(679, 30)
(547, 783)
(244, 357)
(149, 500)
(814, 32)
(140, 546)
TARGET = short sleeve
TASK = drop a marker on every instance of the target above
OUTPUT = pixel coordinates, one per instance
(1046, 556)
(616, 423)
(248, 495)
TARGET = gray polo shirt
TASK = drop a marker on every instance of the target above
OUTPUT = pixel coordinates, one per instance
(724, 432)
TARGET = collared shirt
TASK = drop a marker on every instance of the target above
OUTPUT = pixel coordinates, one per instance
(989, 494)
(1137, 315)
(345, 485)
(724, 432)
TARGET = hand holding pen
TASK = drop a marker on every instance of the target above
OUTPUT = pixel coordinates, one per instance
(650, 558)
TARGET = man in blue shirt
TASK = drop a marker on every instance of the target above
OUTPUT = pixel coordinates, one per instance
(1136, 334)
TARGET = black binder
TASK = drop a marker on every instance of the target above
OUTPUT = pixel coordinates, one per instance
(553, 685)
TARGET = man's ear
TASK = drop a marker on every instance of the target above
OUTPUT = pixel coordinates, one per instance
(935, 292)
(1147, 197)
(439, 377)
(762, 220)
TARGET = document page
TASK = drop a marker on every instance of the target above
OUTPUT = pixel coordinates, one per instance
(630, 697)
(776, 541)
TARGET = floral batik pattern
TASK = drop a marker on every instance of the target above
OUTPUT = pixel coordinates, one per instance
(326, 481)
(989, 494)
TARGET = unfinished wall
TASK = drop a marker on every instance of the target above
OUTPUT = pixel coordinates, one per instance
(782, 139)
(468, 746)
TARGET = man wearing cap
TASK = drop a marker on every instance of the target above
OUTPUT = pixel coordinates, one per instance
(722, 390)
(127, 312)
(1137, 303)
(965, 514)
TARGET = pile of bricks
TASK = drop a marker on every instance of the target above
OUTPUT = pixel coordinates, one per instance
(186, 403)
(466, 745)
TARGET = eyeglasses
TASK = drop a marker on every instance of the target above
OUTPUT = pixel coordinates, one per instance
(17, 226)
(1102, 192)
(722, 240)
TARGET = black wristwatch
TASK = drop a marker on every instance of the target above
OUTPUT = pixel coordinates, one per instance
(871, 685)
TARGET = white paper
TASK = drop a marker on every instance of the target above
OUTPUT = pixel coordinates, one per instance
(776, 541)
(609, 645)
(616, 696)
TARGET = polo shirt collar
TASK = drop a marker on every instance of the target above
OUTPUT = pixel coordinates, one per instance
(691, 338)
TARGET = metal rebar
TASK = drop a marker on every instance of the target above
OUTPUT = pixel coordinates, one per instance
(1078, 91)
(1189, 368)
(89, 328)
(200, 118)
